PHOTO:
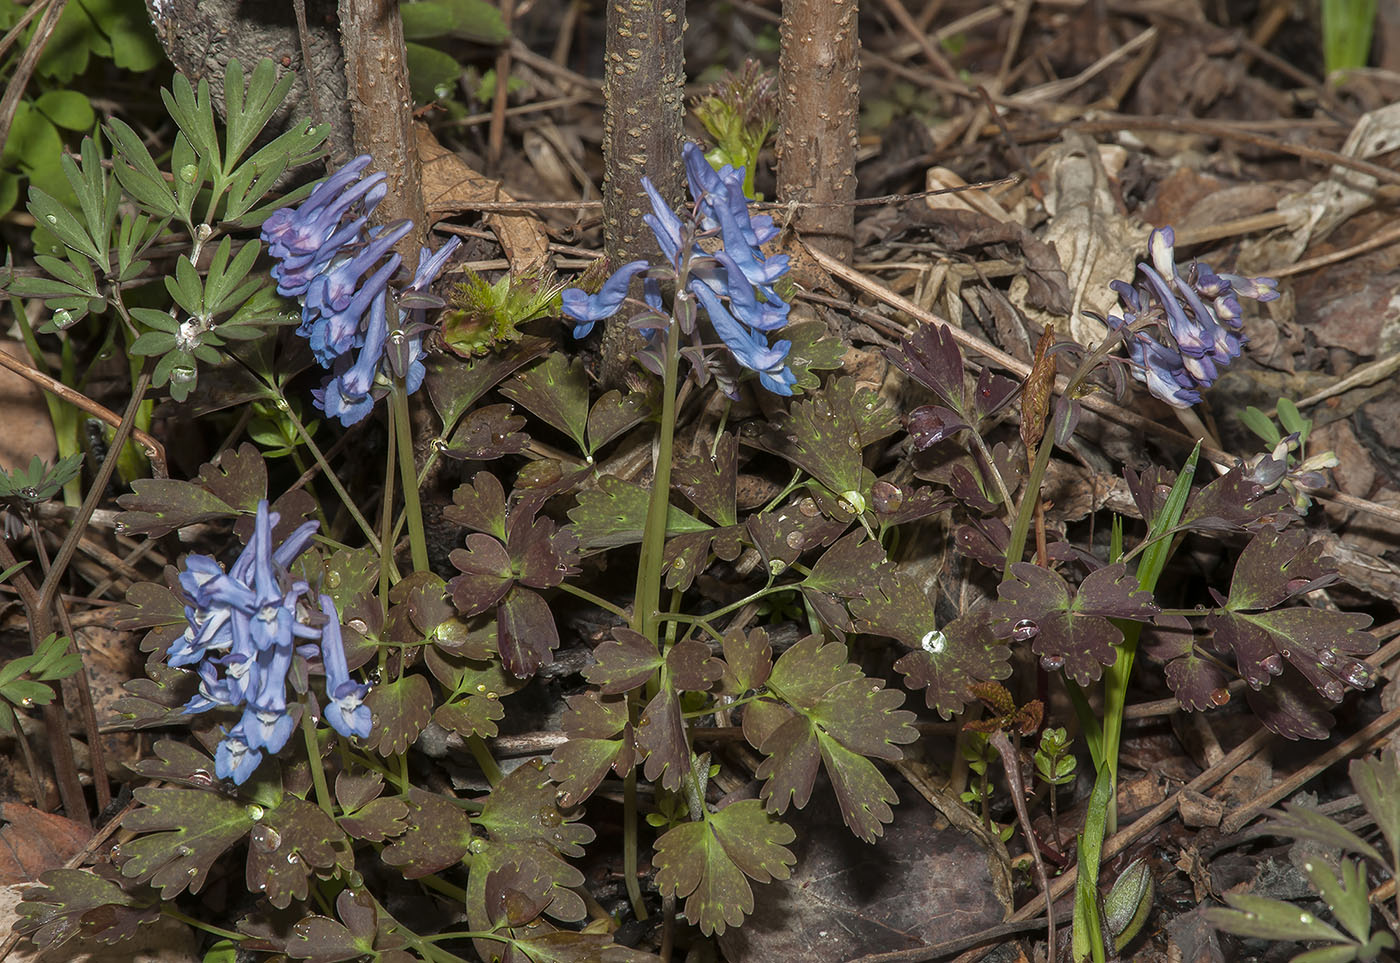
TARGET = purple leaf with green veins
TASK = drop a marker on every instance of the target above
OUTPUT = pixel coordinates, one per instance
(516, 893)
(179, 763)
(599, 739)
(615, 513)
(290, 843)
(660, 737)
(454, 387)
(476, 715)
(79, 902)
(847, 570)
(556, 392)
(1069, 631)
(783, 534)
(706, 862)
(793, 758)
(489, 432)
(239, 479)
(158, 506)
(400, 711)
(1197, 681)
(625, 662)
(944, 660)
(1275, 566)
(930, 355)
(613, 414)
(437, 836)
(523, 806)
(151, 605)
(748, 660)
(180, 834)
(377, 820)
(567, 946)
(861, 791)
(526, 635)
(813, 349)
(479, 505)
(930, 424)
(152, 702)
(1289, 707)
(1233, 502)
(691, 667)
(541, 553)
(486, 574)
(826, 436)
(710, 481)
(320, 939)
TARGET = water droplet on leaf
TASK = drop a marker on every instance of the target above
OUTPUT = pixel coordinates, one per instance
(934, 642)
(1052, 663)
(1024, 631)
(1272, 664)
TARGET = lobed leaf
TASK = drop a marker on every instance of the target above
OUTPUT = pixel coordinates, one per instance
(556, 392)
(78, 902)
(290, 843)
(438, 835)
(182, 832)
(400, 709)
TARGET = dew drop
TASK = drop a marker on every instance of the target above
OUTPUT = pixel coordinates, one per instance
(255, 812)
(332, 580)
(853, 441)
(51, 218)
(183, 851)
(192, 872)
(809, 508)
(549, 816)
(62, 318)
(481, 687)
(776, 567)
(1332, 690)
(26, 703)
(476, 846)
(1305, 918)
(491, 696)
(795, 540)
(115, 852)
(189, 173)
(1052, 663)
(1327, 657)
(265, 838)
(359, 625)
(934, 642)
(293, 859)
(1358, 675)
(1272, 664)
(1024, 631)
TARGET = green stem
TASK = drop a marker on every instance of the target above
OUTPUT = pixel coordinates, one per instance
(1016, 546)
(648, 598)
(315, 449)
(313, 755)
(417, 539)
(386, 520)
(704, 620)
(629, 844)
(167, 910)
(484, 759)
(592, 599)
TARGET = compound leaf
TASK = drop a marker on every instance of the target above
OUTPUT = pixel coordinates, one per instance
(183, 832)
(625, 662)
(400, 709)
(615, 513)
(556, 392)
(439, 834)
(73, 902)
(288, 845)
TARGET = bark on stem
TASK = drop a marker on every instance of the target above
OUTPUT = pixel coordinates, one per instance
(820, 66)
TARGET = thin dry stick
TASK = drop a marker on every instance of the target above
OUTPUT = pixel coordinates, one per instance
(1011, 765)
(934, 55)
(496, 137)
(1322, 260)
(19, 80)
(1355, 743)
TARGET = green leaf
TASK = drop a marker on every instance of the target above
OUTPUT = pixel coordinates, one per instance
(710, 481)
(706, 862)
(1261, 424)
(247, 112)
(33, 141)
(1087, 936)
(455, 386)
(556, 392)
(813, 349)
(432, 74)
(1346, 897)
(1270, 919)
(1377, 782)
(1128, 903)
(69, 109)
(1300, 822)
(180, 834)
(474, 20)
(613, 414)
(615, 514)
(524, 806)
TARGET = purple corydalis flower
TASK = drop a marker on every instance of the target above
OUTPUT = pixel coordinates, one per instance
(345, 712)
(1195, 314)
(347, 394)
(733, 284)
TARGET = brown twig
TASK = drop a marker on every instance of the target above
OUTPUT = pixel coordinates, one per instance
(1011, 765)
(496, 136)
(19, 80)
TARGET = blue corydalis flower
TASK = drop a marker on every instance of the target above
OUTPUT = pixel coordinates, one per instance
(733, 284)
(1196, 317)
(246, 628)
(324, 251)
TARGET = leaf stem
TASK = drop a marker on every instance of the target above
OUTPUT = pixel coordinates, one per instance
(313, 756)
(592, 599)
(286, 409)
(167, 910)
(417, 539)
(646, 612)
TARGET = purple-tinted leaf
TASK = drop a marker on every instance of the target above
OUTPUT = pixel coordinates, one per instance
(158, 506)
(613, 414)
(1291, 708)
(78, 902)
(1068, 632)
(710, 482)
(180, 834)
(826, 435)
(991, 394)
(706, 862)
(525, 632)
(861, 791)
(1233, 502)
(748, 658)
(762, 718)
(542, 554)
(808, 670)
(377, 820)
(455, 386)
(930, 424)
(626, 661)
(1198, 682)
(480, 505)
(556, 392)
(1321, 645)
(288, 845)
(439, 834)
(153, 701)
(400, 711)
(474, 715)
(489, 432)
(516, 893)
(357, 911)
(523, 806)
(460, 675)
(865, 717)
(973, 494)
(789, 770)
(599, 739)
(930, 356)
(685, 557)
(615, 513)
(179, 763)
(1065, 420)
(423, 596)
(783, 534)
(691, 666)
(946, 661)
(486, 574)
(567, 946)
(894, 505)
(984, 540)
(320, 939)
(1275, 566)
(848, 569)
(660, 736)
(237, 478)
(151, 605)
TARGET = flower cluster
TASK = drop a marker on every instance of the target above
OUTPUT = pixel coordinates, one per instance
(324, 248)
(1197, 318)
(734, 283)
(246, 626)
